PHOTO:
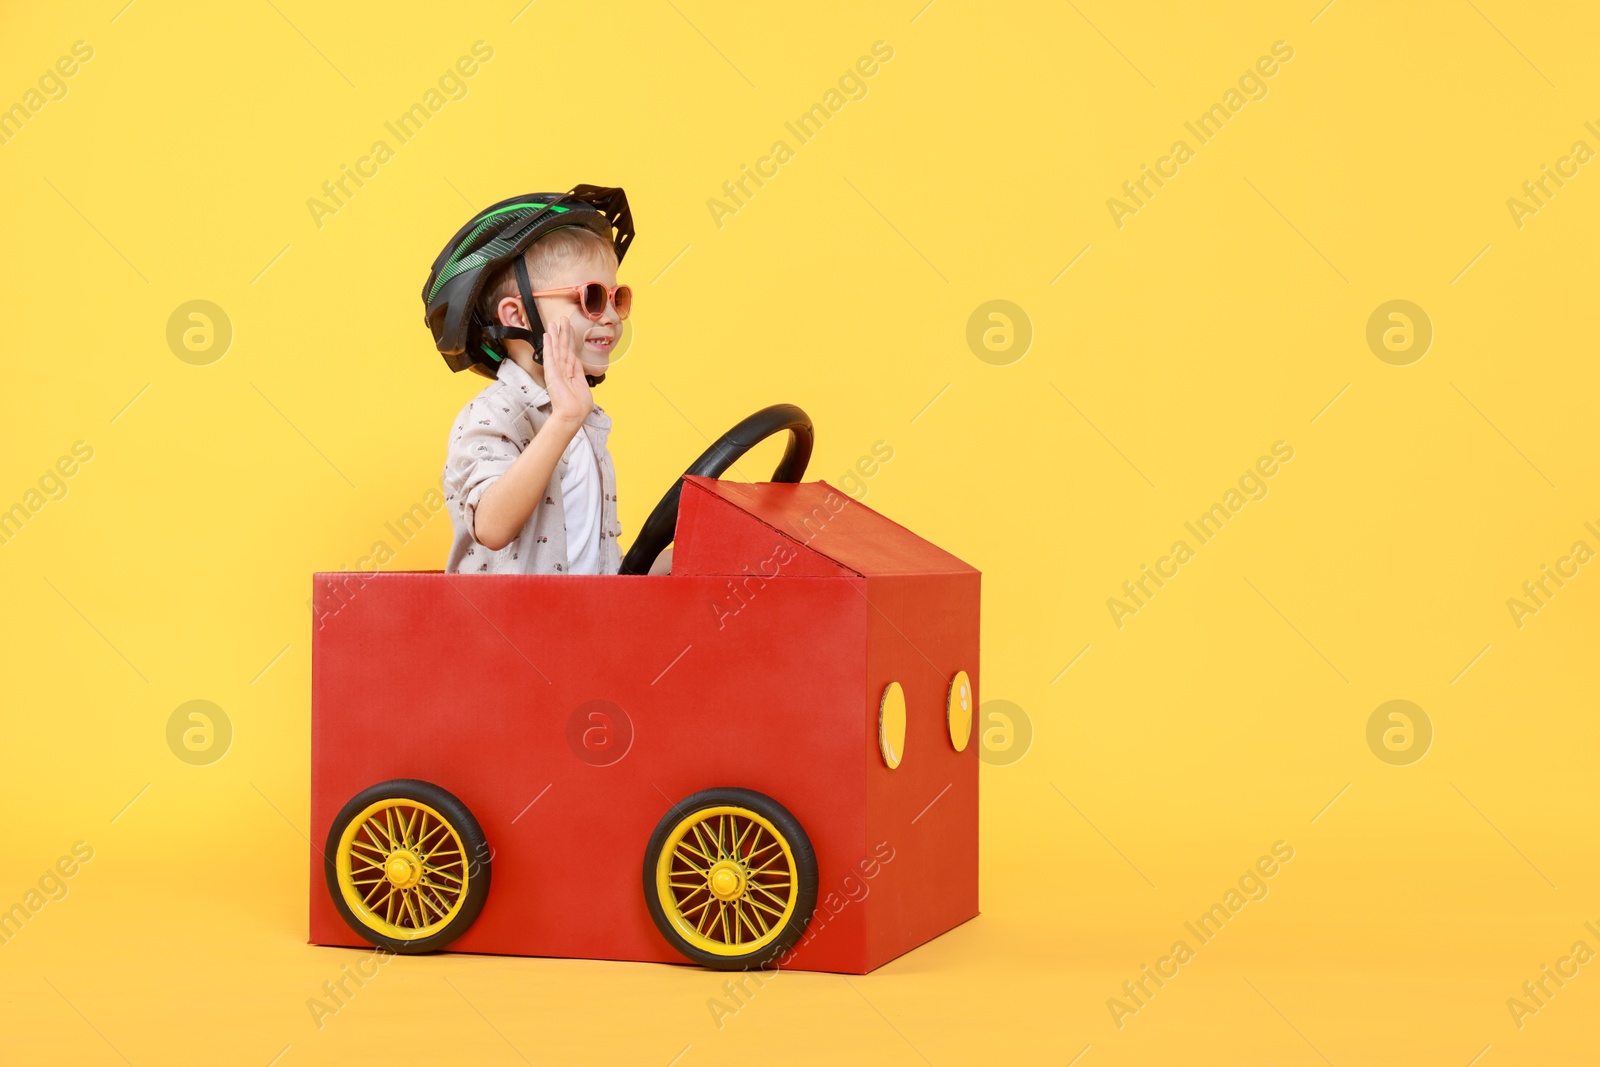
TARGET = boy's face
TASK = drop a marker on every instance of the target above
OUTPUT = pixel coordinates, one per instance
(593, 339)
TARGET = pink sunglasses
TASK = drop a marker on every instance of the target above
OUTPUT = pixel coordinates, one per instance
(593, 297)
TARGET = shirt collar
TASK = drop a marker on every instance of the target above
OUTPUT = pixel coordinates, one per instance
(514, 377)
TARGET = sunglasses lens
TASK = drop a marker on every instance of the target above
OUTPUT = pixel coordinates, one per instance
(624, 301)
(594, 299)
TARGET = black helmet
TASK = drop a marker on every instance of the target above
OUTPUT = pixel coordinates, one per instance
(491, 239)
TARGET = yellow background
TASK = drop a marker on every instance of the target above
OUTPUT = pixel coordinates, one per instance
(1224, 316)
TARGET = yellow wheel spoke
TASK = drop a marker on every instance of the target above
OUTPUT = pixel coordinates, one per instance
(737, 910)
(446, 893)
(428, 903)
(780, 901)
(682, 905)
(769, 886)
(751, 859)
(684, 844)
(422, 842)
(431, 869)
(722, 917)
(691, 864)
(754, 903)
(375, 863)
(772, 864)
(705, 849)
(745, 833)
(374, 828)
(777, 865)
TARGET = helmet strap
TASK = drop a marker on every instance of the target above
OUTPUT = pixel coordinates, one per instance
(519, 267)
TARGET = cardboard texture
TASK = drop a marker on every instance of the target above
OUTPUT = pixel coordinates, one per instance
(758, 663)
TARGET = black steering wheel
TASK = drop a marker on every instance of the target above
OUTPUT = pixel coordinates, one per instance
(660, 527)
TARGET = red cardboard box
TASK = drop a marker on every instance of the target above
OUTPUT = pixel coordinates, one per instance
(760, 662)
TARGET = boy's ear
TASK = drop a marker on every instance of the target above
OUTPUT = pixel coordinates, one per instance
(509, 312)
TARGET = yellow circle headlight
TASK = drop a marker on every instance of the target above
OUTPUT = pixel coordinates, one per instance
(892, 725)
(958, 709)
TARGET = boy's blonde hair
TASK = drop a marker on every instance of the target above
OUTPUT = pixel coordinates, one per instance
(555, 249)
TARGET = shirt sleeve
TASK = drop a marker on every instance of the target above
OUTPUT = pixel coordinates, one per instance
(483, 445)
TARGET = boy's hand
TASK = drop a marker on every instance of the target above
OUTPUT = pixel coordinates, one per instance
(505, 506)
(570, 398)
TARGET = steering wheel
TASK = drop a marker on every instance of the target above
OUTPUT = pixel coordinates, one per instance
(660, 527)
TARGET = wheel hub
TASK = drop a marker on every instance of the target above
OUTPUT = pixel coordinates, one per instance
(403, 869)
(727, 880)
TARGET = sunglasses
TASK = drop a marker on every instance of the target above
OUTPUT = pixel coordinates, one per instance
(593, 297)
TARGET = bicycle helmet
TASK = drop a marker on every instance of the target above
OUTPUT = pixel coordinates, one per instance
(498, 235)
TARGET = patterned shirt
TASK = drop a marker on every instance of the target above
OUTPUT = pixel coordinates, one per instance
(488, 435)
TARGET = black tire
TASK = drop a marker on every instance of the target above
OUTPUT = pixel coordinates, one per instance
(783, 929)
(457, 907)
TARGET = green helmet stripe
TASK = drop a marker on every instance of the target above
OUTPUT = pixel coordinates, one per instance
(455, 264)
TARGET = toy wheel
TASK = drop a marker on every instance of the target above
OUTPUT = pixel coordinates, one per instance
(407, 865)
(730, 878)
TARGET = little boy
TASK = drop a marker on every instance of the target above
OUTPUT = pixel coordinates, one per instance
(528, 477)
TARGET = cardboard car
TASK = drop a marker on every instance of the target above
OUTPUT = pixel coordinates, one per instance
(762, 758)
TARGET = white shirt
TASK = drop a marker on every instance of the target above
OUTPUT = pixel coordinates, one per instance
(580, 498)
